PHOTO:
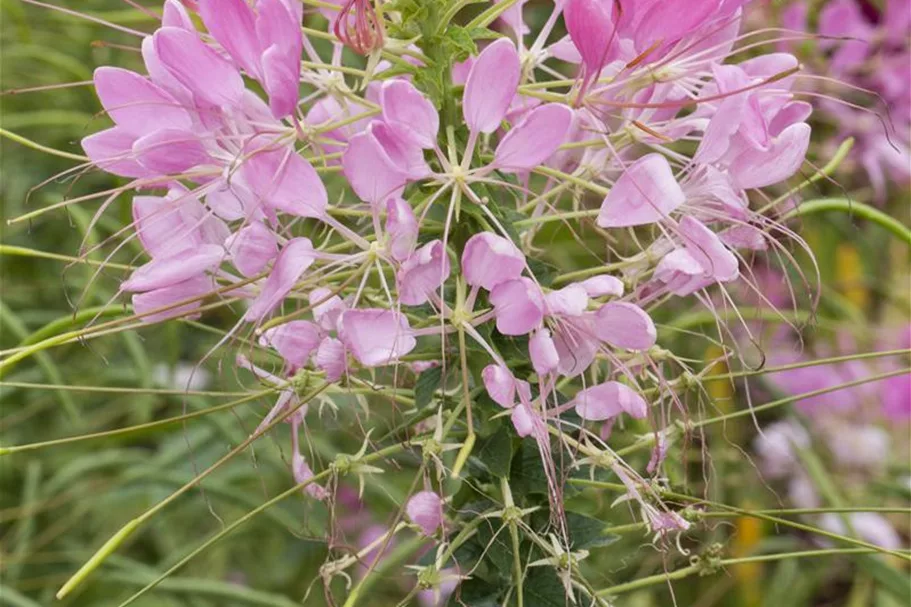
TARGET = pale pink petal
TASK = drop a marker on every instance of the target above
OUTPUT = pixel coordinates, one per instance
(302, 473)
(523, 420)
(252, 248)
(170, 151)
(425, 509)
(285, 181)
(112, 151)
(401, 228)
(744, 237)
(175, 15)
(488, 260)
(376, 337)
(168, 271)
(404, 105)
(500, 385)
(645, 193)
(295, 340)
(591, 28)
(576, 345)
(232, 24)
(599, 286)
(706, 248)
(491, 85)
(327, 307)
(370, 171)
(197, 286)
(406, 155)
(568, 301)
(332, 358)
(681, 273)
(161, 226)
(625, 325)
(294, 259)
(534, 139)
(609, 400)
(422, 273)
(136, 104)
(519, 306)
(754, 168)
(210, 78)
(543, 352)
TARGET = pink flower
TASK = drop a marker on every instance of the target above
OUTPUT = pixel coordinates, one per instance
(425, 509)
(376, 337)
(488, 260)
(608, 400)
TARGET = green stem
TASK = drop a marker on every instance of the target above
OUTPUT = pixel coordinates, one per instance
(853, 207)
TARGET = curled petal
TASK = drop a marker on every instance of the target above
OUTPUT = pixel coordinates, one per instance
(500, 385)
(332, 358)
(294, 259)
(608, 400)
(423, 272)
(524, 420)
(519, 306)
(534, 139)
(326, 308)
(401, 228)
(568, 301)
(625, 325)
(489, 260)
(302, 474)
(252, 248)
(491, 86)
(295, 340)
(754, 168)
(707, 249)
(425, 509)
(370, 171)
(376, 337)
(645, 193)
(599, 286)
(543, 352)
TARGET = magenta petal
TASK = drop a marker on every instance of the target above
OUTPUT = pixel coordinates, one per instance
(168, 271)
(519, 306)
(488, 260)
(170, 151)
(281, 79)
(534, 138)
(232, 24)
(252, 248)
(423, 272)
(401, 228)
(404, 105)
(500, 385)
(175, 15)
(294, 259)
(295, 340)
(625, 325)
(645, 193)
(491, 86)
(609, 400)
(370, 171)
(543, 352)
(197, 286)
(285, 181)
(199, 68)
(591, 29)
(112, 151)
(138, 105)
(425, 509)
(376, 337)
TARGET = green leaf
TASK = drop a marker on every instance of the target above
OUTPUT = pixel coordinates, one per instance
(475, 592)
(427, 384)
(888, 578)
(495, 452)
(587, 532)
(542, 588)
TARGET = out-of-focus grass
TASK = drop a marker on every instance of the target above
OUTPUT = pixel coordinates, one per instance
(59, 503)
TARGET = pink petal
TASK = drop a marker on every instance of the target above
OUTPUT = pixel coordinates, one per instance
(534, 139)
(138, 105)
(754, 168)
(370, 171)
(422, 273)
(599, 286)
(170, 151)
(285, 181)
(576, 345)
(405, 154)
(168, 271)
(625, 325)
(609, 400)
(404, 105)
(295, 341)
(519, 306)
(112, 151)
(197, 286)
(178, 222)
(500, 385)
(376, 337)
(401, 228)
(591, 29)
(707, 249)
(327, 308)
(523, 420)
(294, 259)
(232, 24)
(492, 83)
(744, 237)
(543, 352)
(425, 509)
(332, 358)
(281, 79)
(175, 15)
(488, 260)
(645, 193)
(568, 301)
(252, 248)
(302, 473)
(200, 69)
(681, 273)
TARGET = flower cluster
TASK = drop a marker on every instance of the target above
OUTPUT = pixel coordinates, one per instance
(643, 127)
